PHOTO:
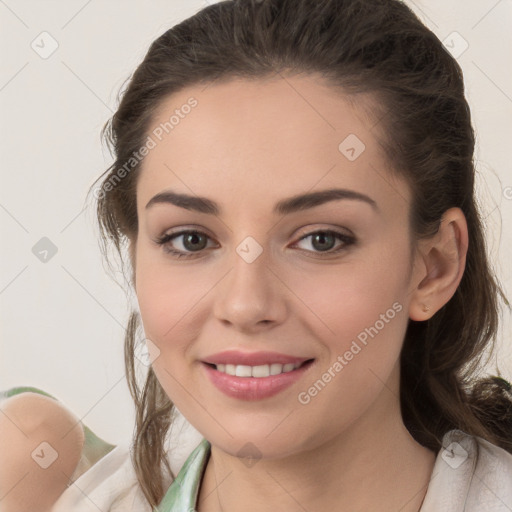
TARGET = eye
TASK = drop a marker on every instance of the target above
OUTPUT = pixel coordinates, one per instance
(323, 241)
(193, 240)
(196, 241)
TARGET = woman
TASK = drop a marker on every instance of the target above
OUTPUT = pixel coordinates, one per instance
(294, 185)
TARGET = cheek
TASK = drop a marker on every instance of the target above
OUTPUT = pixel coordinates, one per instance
(365, 290)
(363, 308)
(170, 300)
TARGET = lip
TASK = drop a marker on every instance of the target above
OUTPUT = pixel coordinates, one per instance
(254, 388)
(253, 358)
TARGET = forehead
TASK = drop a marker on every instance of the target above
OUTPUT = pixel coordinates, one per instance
(268, 139)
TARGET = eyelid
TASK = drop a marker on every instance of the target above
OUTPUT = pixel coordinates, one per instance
(312, 229)
(301, 233)
(181, 230)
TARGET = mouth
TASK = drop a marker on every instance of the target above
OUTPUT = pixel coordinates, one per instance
(251, 383)
(260, 371)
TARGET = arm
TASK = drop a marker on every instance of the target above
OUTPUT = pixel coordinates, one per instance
(41, 445)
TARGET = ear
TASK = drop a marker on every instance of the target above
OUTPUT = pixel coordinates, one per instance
(439, 266)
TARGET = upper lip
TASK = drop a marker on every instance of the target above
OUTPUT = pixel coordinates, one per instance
(237, 357)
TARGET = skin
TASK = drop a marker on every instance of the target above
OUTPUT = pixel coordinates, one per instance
(247, 145)
(26, 421)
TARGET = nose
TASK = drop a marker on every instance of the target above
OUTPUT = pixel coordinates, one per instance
(251, 297)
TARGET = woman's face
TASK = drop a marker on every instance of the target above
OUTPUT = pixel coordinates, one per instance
(325, 282)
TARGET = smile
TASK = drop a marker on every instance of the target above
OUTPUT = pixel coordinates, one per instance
(264, 370)
(246, 382)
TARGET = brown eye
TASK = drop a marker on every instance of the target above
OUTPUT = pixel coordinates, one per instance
(325, 240)
(192, 241)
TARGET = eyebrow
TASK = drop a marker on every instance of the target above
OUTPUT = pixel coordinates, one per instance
(283, 207)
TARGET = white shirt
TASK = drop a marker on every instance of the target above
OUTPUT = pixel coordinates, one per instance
(463, 482)
(460, 482)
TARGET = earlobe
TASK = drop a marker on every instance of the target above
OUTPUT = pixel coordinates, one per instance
(444, 259)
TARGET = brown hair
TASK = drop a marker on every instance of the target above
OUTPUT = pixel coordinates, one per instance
(373, 46)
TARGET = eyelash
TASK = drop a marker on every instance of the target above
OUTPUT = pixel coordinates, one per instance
(164, 239)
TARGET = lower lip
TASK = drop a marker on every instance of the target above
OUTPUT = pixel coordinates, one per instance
(254, 388)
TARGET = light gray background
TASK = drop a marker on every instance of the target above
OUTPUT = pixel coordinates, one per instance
(62, 321)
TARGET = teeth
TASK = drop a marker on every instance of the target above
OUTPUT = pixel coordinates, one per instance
(263, 370)
(243, 371)
(276, 369)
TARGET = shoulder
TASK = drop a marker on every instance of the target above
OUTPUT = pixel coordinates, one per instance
(470, 474)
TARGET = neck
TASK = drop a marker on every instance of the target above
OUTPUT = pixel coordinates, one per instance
(375, 464)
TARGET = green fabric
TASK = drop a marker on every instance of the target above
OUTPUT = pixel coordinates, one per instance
(182, 493)
(22, 389)
(94, 447)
